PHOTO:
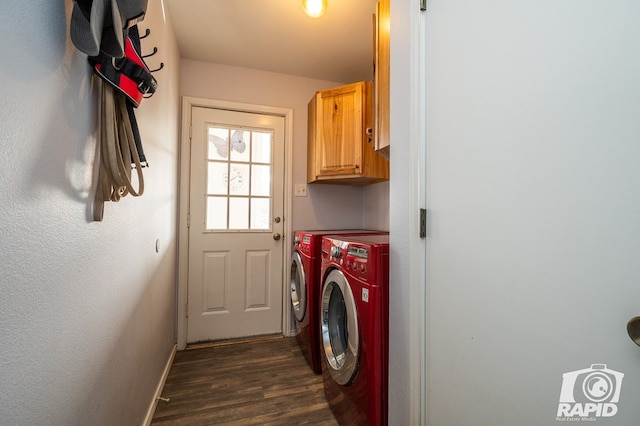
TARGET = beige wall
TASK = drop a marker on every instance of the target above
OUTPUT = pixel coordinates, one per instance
(375, 206)
(87, 310)
(326, 206)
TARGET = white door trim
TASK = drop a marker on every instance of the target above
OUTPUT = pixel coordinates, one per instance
(418, 247)
(183, 208)
(418, 262)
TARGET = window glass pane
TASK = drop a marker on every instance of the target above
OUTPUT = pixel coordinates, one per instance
(261, 180)
(238, 213)
(261, 147)
(260, 213)
(239, 179)
(216, 212)
(240, 145)
(218, 143)
(217, 178)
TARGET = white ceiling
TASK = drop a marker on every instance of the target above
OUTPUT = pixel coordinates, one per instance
(276, 36)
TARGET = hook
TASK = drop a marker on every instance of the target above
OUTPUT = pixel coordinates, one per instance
(155, 50)
(146, 33)
(159, 68)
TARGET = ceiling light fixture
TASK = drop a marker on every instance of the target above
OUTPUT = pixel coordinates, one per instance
(314, 8)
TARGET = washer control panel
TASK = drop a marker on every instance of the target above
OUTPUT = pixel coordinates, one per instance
(302, 243)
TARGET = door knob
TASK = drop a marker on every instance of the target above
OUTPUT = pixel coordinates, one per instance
(276, 219)
(276, 236)
(633, 328)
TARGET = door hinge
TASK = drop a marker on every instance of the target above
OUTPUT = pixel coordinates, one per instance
(423, 5)
(190, 130)
(186, 310)
(188, 220)
(423, 223)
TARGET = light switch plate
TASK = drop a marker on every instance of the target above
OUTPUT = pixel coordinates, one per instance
(300, 190)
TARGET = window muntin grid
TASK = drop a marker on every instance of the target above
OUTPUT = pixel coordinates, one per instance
(239, 179)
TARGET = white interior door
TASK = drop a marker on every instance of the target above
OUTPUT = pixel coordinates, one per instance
(236, 206)
(534, 232)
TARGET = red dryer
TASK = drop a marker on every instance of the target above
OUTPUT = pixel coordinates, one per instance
(354, 313)
(306, 286)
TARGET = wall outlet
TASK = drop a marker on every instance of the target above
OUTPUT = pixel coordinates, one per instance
(300, 189)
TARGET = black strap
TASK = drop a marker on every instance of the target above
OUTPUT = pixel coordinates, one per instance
(147, 84)
(112, 69)
(136, 134)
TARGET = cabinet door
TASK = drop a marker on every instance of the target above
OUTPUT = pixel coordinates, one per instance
(381, 63)
(339, 137)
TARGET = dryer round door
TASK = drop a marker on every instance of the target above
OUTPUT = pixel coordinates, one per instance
(298, 287)
(340, 336)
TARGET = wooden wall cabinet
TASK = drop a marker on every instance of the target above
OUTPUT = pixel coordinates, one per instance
(381, 73)
(340, 137)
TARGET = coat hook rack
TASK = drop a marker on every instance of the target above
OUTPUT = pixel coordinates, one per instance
(155, 50)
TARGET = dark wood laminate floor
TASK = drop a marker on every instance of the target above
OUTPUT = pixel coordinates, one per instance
(257, 382)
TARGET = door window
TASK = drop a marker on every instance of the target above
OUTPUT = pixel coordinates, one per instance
(298, 287)
(239, 178)
(340, 334)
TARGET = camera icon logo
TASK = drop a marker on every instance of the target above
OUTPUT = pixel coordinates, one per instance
(590, 392)
(597, 387)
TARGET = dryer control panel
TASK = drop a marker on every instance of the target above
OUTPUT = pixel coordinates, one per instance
(360, 252)
(356, 255)
(353, 258)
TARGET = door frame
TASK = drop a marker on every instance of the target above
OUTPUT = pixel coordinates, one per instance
(184, 186)
(408, 111)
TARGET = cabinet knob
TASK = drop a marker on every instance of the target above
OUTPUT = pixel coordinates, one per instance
(369, 132)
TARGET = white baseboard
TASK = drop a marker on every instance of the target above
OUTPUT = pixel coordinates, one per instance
(163, 379)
